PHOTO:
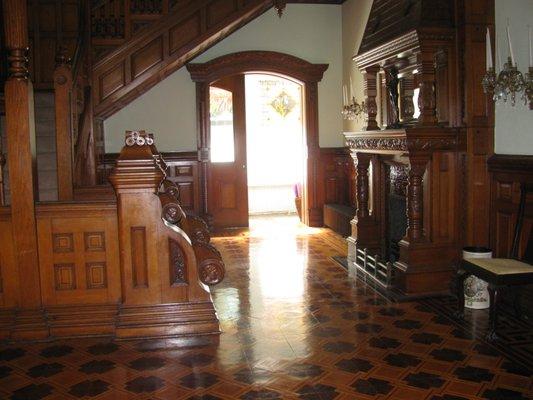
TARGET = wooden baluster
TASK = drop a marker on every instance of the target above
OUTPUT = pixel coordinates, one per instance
(370, 93)
(415, 198)
(426, 97)
(20, 152)
(62, 91)
(407, 91)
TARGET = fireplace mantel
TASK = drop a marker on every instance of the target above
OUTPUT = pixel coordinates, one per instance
(407, 140)
(433, 159)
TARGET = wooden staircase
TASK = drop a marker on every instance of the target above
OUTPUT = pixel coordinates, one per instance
(126, 47)
(164, 46)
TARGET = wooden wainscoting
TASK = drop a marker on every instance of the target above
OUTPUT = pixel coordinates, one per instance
(79, 266)
(336, 182)
(182, 171)
(507, 173)
(8, 274)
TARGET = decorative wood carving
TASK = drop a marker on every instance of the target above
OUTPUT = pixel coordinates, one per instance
(65, 276)
(362, 162)
(276, 63)
(415, 198)
(398, 175)
(178, 272)
(94, 241)
(96, 275)
(63, 242)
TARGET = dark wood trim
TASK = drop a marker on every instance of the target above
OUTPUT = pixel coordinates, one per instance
(110, 158)
(511, 163)
(275, 63)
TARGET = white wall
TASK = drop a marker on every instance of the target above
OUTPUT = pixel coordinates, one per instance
(311, 32)
(354, 16)
(514, 125)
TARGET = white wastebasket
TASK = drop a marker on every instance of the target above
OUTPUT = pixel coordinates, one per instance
(475, 289)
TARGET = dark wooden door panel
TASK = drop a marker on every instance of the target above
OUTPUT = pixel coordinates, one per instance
(228, 180)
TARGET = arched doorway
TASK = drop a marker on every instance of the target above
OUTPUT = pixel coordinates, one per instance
(267, 62)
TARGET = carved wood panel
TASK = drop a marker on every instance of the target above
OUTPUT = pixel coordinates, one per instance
(139, 262)
(164, 47)
(78, 253)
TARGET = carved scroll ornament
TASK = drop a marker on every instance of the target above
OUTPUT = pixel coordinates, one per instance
(138, 138)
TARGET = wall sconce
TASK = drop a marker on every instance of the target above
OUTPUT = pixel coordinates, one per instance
(508, 83)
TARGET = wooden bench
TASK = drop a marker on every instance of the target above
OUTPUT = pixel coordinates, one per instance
(500, 273)
(338, 217)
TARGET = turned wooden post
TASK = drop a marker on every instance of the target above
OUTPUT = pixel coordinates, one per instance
(21, 151)
(370, 93)
(415, 198)
(62, 90)
(407, 108)
(426, 79)
(362, 162)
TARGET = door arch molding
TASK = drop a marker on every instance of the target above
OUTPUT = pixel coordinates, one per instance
(309, 74)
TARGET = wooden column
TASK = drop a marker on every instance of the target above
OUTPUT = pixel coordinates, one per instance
(21, 151)
(370, 93)
(426, 79)
(62, 90)
(362, 162)
(2, 190)
(415, 198)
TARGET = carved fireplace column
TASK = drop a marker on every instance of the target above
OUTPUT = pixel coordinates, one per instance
(370, 93)
(362, 162)
(426, 79)
(415, 198)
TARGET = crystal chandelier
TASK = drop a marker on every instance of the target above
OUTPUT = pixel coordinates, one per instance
(508, 84)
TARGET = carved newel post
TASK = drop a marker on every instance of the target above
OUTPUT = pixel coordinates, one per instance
(162, 256)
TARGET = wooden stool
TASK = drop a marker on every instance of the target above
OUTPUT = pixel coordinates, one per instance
(499, 272)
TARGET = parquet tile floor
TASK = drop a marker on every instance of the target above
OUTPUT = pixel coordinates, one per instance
(294, 327)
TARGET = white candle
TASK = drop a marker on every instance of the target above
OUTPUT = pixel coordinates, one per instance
(511, 53)
(488, 51)
(530, 49)
(344, 100)
(351, 89)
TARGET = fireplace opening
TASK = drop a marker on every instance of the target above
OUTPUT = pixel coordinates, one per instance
(396, 209)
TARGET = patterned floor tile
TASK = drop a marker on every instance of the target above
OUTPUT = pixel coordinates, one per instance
(315, 334)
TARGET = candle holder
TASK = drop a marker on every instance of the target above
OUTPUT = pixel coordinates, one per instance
(507, 84)
(354, 110)
(528, 89)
